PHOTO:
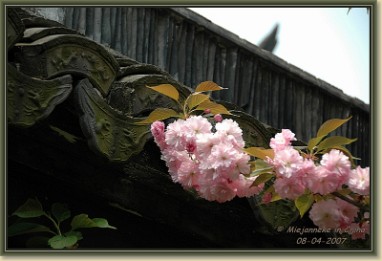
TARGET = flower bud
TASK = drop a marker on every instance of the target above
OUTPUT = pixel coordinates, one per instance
(218, 118)
(207, 111)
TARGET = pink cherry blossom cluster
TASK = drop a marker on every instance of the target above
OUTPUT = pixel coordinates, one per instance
(339, 215)
(210, 159)
(206, 158)
(295, 175)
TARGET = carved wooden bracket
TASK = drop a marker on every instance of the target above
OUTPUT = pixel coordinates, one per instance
(31, 99)
(113, 134)
(59, 54)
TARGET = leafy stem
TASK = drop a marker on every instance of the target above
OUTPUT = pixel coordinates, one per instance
(56, 224)
(185, 112)
(196, 101)
(32, 208)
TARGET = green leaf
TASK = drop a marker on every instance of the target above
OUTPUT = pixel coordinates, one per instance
(61, 242)
(102, 223)
(159, 114)
(208, 86)
(279, 214)
(262, 178)
(196, 99)
(60, 211)
(260, 152)
(166, 89)
(334, 141)
(260, 171)
(330, 126)
(314, 141)
(77, 234)
(261, 164)
(30, 209)
(275, 197)
(83, 221)
(25, 228)
(303, 203)
(213, 106)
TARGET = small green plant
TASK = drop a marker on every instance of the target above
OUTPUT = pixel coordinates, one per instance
(58, 213)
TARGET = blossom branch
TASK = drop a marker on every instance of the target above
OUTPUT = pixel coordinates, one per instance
(355, 203)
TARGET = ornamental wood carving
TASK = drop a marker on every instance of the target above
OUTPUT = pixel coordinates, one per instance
(59, 54)
(30, 100)
(109, 132)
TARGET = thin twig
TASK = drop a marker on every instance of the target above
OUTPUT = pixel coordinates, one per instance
(357, 204)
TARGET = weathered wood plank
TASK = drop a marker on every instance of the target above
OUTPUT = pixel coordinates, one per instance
(82, 21)
(106, 26)
(89, 30)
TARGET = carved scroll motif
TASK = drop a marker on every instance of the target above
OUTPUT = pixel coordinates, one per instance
(110, 133)
(68, 54)
(30, 100)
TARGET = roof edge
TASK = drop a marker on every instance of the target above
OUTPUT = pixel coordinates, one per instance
(263, 54)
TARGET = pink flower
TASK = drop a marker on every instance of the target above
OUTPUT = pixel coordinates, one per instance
(174, 159)
(187, 174)
(287, 162)
(359, 181)
(222, 156)
(358, 230)
(307, 172)
(241, 163)
(232, 131)
(218, 190)
(237, 165)
(195, 125)
(282, 140)
(325, 214)
(289, 188)
(174, 136)
(347, 213)
(336, 162)
(334, 213)
(157, 130)
(191, 145)
(331, 174)
(204, 143)
(243, 186)
(322, 181)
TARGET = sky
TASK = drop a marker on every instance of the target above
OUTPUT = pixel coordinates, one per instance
(331, 43)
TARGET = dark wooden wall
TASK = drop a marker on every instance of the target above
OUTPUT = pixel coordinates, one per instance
(192, 49)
